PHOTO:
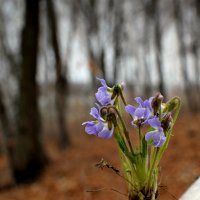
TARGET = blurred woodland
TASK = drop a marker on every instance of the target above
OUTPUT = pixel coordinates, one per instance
(51, 52)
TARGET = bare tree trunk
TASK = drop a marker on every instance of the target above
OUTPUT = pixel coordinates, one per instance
(183, 54)
(195, 52)
(61, 82)
(195, 87)
(29, 157)
(88, 9)
(146, 49)
(11, 58)
(4, 117)
(182, 48)
(5, 147)
(102, 63)
(118, 13)
(158, 45)
(196, 43)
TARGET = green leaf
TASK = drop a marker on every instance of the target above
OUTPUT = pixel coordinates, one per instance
(144, 148)
(121, 143)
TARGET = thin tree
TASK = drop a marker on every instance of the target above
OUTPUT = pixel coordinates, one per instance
(194, 49)
(117, 37)
(196, 45)
(158, 45)
(6, 147)
(146, 46)
(88, 10)
(29, 157)
(61, 81)
(11, 58)
(178, 16)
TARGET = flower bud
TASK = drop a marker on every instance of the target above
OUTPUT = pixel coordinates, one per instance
(111, 119)
(156, 103)
(103, 112)
(166, 121)
(171, 104)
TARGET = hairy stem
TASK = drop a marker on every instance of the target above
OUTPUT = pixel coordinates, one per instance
(152, 167)
(124, 129)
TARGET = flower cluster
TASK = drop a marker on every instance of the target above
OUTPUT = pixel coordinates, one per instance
(143, 114)
(99, 127)
(151, 113)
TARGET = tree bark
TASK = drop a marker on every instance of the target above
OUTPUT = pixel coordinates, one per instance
(11, 58)
(29, 157)
(102, 63)
(118, 13)
(195, 52)
(183, 54)
(4, 117)
(146, 48)
(6, 147)
(196, 44)
(96, 61)
(158, 46)
(61, 82)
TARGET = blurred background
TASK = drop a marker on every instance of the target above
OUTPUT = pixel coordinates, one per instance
(50, 55)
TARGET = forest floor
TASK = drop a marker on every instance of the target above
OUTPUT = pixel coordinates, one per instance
(72, 173)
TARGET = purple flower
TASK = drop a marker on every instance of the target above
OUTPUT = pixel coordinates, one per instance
(145, 104)
(103, 94)
(99, 127)
(142, 113)
(157, 135)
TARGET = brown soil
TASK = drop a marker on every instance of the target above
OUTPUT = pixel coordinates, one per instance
(71, 174)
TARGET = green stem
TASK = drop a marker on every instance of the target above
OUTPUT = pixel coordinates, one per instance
(152, 167)
(164, 147)
(123, 126)
(126, 162)
(154, 189)
(140, 138)
(125, 131)
(123, 99)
